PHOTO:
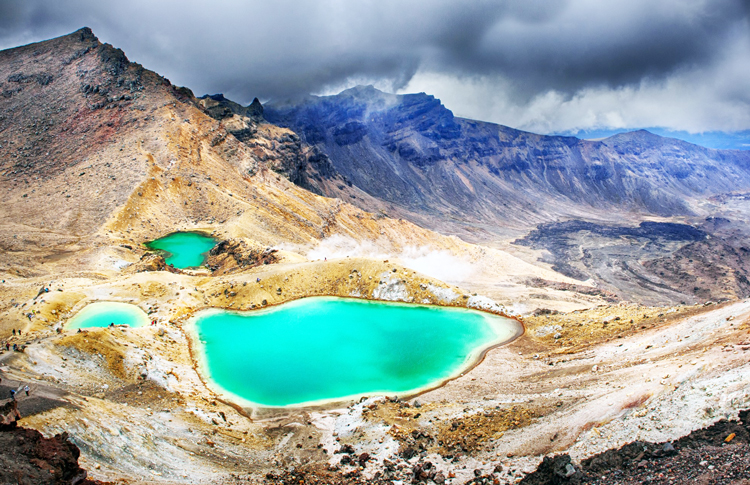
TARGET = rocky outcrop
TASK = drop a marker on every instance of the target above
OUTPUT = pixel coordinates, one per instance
(220, 108)
(237, 254)
(151, 262)
(9, 415)
(28, 458)
(255, 109)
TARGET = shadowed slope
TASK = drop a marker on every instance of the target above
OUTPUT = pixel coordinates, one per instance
(458, 174)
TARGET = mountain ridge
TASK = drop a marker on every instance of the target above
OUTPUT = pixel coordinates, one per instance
(410, 151)
(96, 151)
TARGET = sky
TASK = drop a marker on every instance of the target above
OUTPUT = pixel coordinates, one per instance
(547, 66)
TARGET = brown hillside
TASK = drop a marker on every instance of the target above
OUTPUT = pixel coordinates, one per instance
(98, 151)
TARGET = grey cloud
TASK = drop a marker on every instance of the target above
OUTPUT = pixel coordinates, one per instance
(591, 43)
(284, 48)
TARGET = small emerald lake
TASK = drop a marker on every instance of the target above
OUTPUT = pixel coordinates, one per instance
(184, 249)
(103, 313)
(323, 349)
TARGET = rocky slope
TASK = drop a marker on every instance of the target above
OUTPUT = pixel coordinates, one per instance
(96, 151)
(478, 178)
(715, 454)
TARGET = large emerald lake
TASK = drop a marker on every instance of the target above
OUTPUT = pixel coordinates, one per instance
(184, 249)
(321, 349)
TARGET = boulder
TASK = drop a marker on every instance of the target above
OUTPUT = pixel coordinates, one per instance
(9, 415)
(29, 458)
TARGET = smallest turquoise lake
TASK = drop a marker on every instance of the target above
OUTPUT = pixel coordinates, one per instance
(184, 249)
(103, 313)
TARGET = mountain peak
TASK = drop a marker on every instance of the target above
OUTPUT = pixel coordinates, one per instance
(362, 89)
(255, 108)
(219, 107)
(364, 93)
(84, 33)
(71, 41)
(642, 134)
(634, 135)
(645, 138)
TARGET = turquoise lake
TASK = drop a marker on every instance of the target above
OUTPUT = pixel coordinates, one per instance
(184, 249)
(101, 314)
(321, 349)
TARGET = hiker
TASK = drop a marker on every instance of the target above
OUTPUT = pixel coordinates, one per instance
(7, 346)
(14, 331)
(26, 389)
(19, 330)
(15, 347)
(13, 394)
(257, 280)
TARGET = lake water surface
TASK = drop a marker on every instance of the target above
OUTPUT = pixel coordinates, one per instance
(184, 249)
(103, 313)
(321, 349)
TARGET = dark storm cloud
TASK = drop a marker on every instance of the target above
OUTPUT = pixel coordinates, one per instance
(281, 48)
(603, 42)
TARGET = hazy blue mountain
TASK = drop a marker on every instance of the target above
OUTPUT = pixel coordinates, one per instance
(739, 140)
(462, 175)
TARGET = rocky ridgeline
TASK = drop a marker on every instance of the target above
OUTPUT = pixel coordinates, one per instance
(57, 91)
(70, 115)
(280, 148)
(94, 145)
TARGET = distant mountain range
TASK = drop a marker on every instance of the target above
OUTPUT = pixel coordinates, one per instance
(476, 179)
(739, 140)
